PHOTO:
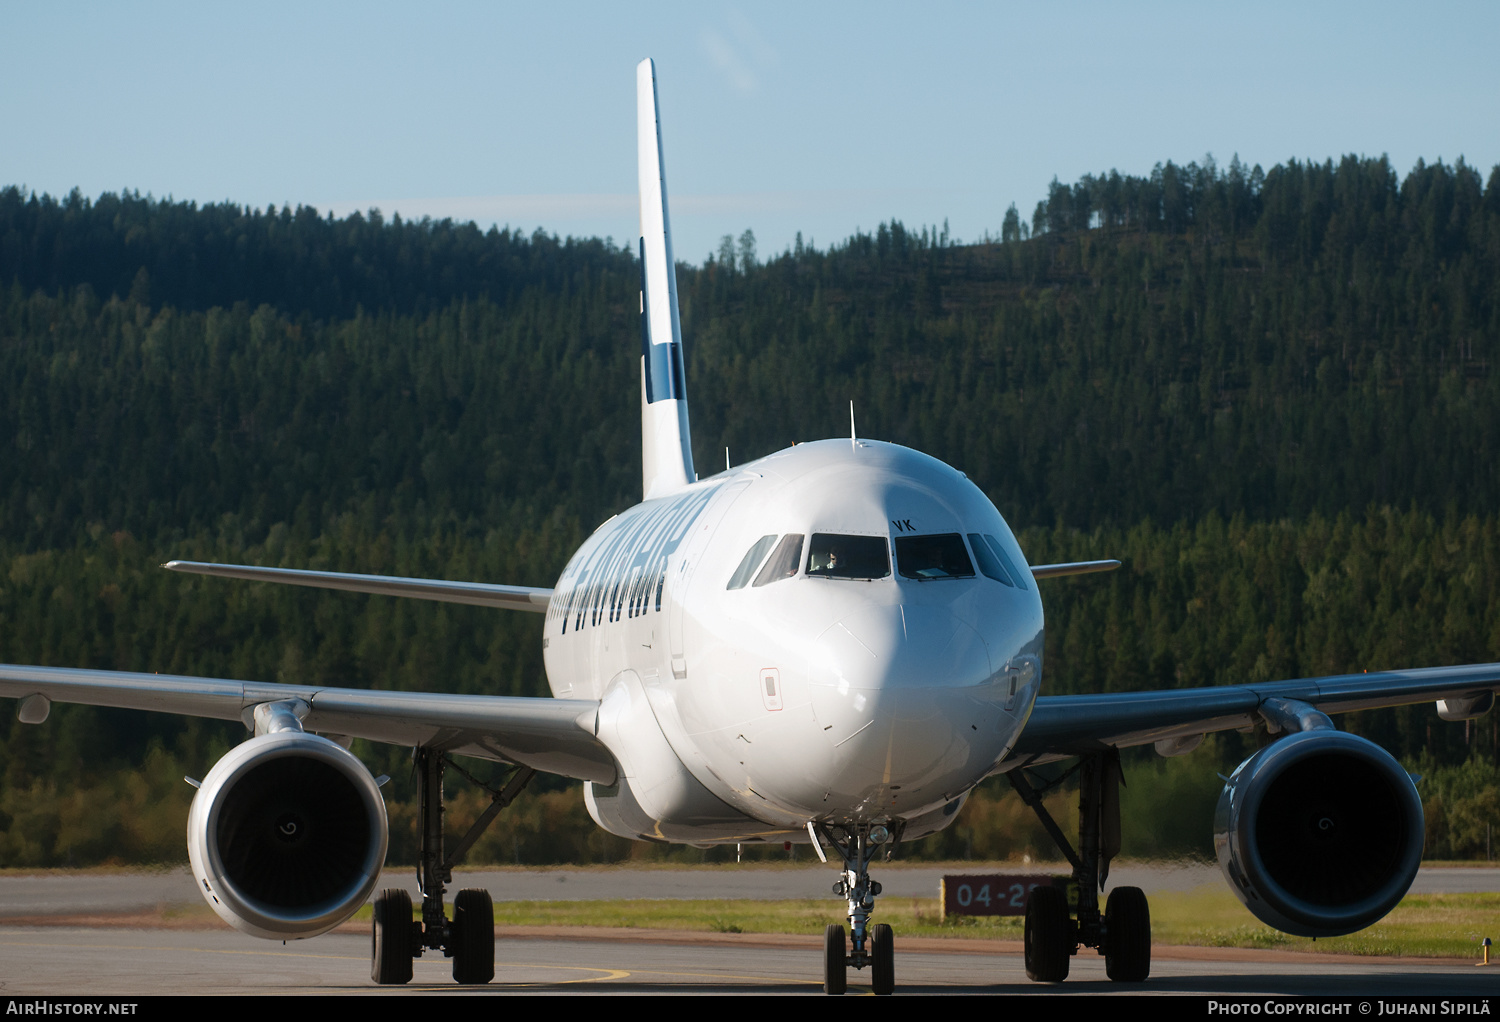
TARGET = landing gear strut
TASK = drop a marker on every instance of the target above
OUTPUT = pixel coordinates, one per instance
(873, 947)
(1122, 932)
(469, 939)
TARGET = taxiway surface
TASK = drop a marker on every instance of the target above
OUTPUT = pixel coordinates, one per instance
(78, 962)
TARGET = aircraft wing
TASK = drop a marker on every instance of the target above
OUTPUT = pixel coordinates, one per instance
(482, 594)
(552, 735)
(1064, 726)
(1072, 568)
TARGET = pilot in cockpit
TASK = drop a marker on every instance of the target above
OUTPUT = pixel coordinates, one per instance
(830, 562)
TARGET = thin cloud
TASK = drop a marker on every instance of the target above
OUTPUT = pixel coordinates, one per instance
(731, 65)
(750, 38)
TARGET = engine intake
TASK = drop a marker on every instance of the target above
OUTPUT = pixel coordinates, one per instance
(287, 835)
(1320, 833)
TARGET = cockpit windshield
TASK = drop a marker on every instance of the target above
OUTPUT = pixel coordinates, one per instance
(753, 557)
(991, 562)
(932, 557)
(783, 563)
(832, 556)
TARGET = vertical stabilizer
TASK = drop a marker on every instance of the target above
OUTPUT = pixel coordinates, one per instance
(666, 448)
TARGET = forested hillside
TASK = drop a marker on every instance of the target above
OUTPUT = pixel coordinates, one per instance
(1271, 393)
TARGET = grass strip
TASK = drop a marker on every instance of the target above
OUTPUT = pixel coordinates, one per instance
(1422, 926)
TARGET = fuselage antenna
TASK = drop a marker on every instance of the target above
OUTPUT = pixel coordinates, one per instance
(852, 445)
(726, 459)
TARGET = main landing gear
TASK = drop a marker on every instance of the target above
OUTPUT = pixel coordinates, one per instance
(469, 938)
(1122, 932)
(873, 946)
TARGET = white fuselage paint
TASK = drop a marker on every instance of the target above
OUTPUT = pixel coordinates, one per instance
(744, 713)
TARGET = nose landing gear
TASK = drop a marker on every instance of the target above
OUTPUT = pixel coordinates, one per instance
(873, 947)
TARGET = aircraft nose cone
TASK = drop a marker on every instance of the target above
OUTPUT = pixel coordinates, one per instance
(906, 697)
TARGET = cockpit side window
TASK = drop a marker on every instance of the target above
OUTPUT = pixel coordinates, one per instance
(861, 557)
(1010, 566)
(933, 557)
(988, 562)
(783, 562)
(753, 557)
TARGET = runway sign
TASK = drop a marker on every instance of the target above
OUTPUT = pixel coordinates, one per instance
(996, 894)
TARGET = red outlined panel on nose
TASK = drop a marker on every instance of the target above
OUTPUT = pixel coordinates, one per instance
(770, 687)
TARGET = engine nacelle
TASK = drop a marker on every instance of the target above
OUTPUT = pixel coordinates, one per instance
(287, 835)
(1319, 833)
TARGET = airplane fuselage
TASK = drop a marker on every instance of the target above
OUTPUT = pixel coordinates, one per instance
(825, 633)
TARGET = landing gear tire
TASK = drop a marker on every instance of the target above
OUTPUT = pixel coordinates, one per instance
(473, 937)
(391, 943)
(1127, 926)
(1048, 933)
(882, 959)
(835, 960)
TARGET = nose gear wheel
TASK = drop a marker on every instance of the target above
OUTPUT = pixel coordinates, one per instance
(835, 960)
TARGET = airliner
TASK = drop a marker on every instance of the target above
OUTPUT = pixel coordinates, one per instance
(832, 646)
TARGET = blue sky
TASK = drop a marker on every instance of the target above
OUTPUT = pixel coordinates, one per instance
(778, 117)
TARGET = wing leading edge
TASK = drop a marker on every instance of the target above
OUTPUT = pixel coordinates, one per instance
(1072, 568)
(551, 735)
(481, 594)
(1065, 726)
